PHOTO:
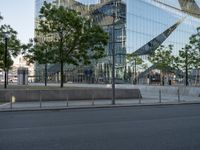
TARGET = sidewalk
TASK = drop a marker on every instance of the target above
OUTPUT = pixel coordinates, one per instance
(148, 99)
(151, 95)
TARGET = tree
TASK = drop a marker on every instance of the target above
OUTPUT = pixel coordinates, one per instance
(133, 59)
(11, 43)
(195, 44)
(163, 60)
(38, 50)
(185, 60)
(74, 39)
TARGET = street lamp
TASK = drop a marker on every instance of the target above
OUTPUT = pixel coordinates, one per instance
(5, 60)
(113, 57)
(135, 71)
(45, 78)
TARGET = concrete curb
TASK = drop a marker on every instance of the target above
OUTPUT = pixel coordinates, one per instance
(95, 107)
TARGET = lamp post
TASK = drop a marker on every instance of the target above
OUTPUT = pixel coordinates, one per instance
(135, 73)
(45, 68)
(186, 68)
(113, 59)
(5, 61)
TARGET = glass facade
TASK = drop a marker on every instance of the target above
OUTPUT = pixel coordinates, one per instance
(143, 26)
(38, 5)
(139, 25)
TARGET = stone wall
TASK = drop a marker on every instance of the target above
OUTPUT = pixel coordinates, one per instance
(71, 94)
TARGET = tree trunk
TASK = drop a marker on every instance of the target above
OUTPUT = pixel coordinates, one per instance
(186, 69)
(135, 74)
(196, 78)
(45, 78)
(61, 61)
(186, 75)
(61, 74)
(125, 72)
(7, 76)
(161, 78)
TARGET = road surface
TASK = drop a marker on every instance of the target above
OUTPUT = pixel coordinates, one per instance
(133, 128)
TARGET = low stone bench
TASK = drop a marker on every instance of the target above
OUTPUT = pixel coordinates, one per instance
(71, 94)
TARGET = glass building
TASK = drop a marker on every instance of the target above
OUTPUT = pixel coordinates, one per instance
(141, 26)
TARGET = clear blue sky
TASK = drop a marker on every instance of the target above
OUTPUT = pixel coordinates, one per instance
(20, 15)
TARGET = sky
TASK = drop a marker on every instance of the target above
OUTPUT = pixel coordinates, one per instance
(20, 15)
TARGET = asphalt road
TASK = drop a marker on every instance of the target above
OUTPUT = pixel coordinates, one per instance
(131, 128)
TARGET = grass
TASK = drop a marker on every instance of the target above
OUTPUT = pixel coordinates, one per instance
(36, 87)
(1, 102)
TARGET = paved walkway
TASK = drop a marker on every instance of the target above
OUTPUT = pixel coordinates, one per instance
(150, 96)
(147, 99)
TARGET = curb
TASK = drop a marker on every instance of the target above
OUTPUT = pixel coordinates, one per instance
(96, 107)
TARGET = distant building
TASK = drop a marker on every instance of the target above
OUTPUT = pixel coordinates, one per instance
(141, 26)
(19, 63)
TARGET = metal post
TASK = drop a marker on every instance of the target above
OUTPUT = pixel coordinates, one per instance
(186, 68)
(46, 74)
(40, 100)
(113, 60)
(178, 92)
(140, 98)
(67, 102)
(135, 72)
(92, 100)
(5, 62)
(11, 101)
(160, 96)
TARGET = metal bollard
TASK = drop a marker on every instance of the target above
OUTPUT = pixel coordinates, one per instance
(11, 103)
(160, 96)
(140, 98)
(12, 100)
(178, 92)
(67, 101)
(92, 100)
(40, 100)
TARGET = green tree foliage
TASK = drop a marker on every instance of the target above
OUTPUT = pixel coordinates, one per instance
(39, 50)
(163, 60)
(185, 61)
(195, 43)
(13, 46)
(132, 58)
(136, 63)
(73, 38)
